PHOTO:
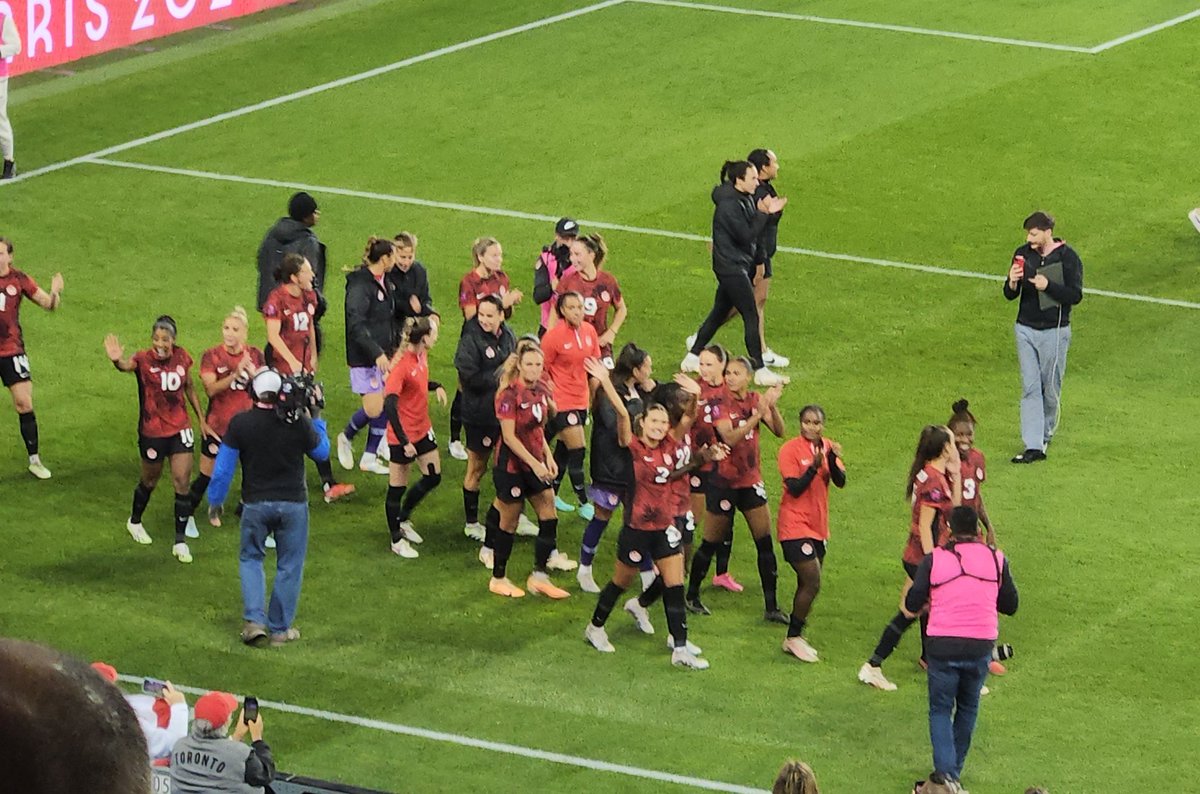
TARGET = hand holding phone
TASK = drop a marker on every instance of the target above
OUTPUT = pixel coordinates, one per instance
(154, 687)
(250, 710)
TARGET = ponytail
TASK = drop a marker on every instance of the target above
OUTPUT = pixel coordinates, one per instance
(511, 371)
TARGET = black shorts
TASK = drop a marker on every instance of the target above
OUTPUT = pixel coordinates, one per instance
(698, 481)
(636, 545)
(425, 444)
(686, 524)
(209, 445)
(14, 370)
(910, 569)
(725, 501)
(482, 439)
(803, 550)
(516, 486)
(564, 419)
(158, 448)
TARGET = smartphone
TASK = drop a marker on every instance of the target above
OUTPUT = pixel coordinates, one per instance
(152, 686)
(250, 709)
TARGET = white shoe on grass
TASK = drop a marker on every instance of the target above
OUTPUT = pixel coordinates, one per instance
(691, 340)
(874, 677)
(191, 531)
(475, 531)
(597, 637)
(457, 450)
(587, 583)
(410, 534)
(765, 377)
(345, 451)
(373, 465)
(690, 363)
(682, 657)
(181, 552)
(1194, 217)
(560, 562)
(404, 549)
(525, 527)
(269, 543)
(773, 359)
(799, 647)
(692, 647)
(138, 532)
(487, 557)
(641, 616)
(39, 470)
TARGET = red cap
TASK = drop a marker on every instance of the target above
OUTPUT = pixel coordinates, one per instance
(216, 707)
(107, 670)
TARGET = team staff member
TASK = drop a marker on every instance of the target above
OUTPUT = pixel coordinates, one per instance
(10, 45)
(485, 344)
(15, 372)
(1043, 327)
(553, 264)
(293, 235)
(599, 289)
(764, 252)
(966, 584)
(165, 432)
(807, 464)
(410, 281)
(207, 761)
(271, 441)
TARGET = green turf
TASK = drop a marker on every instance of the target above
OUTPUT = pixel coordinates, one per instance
(895, 146)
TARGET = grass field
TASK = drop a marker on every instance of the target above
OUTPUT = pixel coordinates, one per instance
(896, 145)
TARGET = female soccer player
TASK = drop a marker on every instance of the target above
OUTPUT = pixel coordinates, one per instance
(567, 346)
(164, 429)
(524, 471)
(485, 344)
(712, 388)
(599, 290)
(935, 487)
(290, 314)
(807, 464)
(14, 363)
(737, 484)
(225, 371)
(410, 432)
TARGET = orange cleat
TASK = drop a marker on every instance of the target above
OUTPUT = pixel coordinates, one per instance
(338, 490)
(995, 668)
(545, 587)
(503, 587)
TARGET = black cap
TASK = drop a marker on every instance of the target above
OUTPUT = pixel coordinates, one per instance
(300, 206)
(566, 227)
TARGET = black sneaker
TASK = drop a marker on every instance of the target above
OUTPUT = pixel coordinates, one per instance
(695, 607)
(10, 170)
(775, 616)
(1029, 456)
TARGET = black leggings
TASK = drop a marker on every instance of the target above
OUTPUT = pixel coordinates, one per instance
(733, 292)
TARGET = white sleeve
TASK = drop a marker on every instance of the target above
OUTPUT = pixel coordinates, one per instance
(10, 43)
(161, 740)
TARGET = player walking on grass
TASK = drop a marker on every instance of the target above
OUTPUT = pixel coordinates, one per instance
(290, 314)
(410, 432)
(712, 388)
(567, 346)
(737, 483)
(15, 372)
(599, 289)
(764, 251)
(165, 432)
(935, 488)
(807, 464)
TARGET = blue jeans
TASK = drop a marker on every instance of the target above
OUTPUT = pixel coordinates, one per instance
(1042, 355)
(951, 682)
(289, 522)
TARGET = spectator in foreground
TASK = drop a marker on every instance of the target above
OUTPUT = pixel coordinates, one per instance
(209, 760)
(796, 777)
(163, 719)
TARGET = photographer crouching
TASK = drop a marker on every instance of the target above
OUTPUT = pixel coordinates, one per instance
(271, 440)
(966, 584)
(209, 760)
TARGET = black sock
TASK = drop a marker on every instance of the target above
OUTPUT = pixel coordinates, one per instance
(29, 432)
(767, 571)
(392, 505)
(560, 460)
(890, 638)
(724, 550)
(608, 600)
(575, 469)
(196, 492)
(183, 511)
(795, 626)
(471, 506)
(501, 552)
(141, 498)
(547, 539)
(491, 527)
(418, 492)
(325, 469)
(456, 417)
(652, 593)
(700, 562)
(676, 614)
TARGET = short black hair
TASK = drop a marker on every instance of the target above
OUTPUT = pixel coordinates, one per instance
(1039, 220)
(964, 521)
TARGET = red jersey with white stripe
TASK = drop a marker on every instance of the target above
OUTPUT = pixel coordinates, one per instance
(13, 287)
(974, 472)
(409, 381)
(227, 404)
(528, 407)
(474, 287)
(931, 489)
(741, 467)
(652, 499)
(160, 392)
(565, 349)
(599, 296)
(296, 315)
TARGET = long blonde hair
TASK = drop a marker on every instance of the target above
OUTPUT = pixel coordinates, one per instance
(512, 367)
(796, 777)
(480, 247)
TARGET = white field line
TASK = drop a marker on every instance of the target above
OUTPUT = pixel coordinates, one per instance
(1137, 34)
(533, 216)
(484, 744)
(316, 89)
(854, 23)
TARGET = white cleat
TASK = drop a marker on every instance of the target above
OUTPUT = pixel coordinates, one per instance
(560, 562)
(487, 557)
(874, 677)
(984, 690)
(773, 359)
(39, 470)
(191, 531)
(597, 637)
(404, 549)
(138, 532)
(1194, 217)
(457, 450)
(690, 363)
(682, 657)
(345, 451)
(474, 531)
(373, 465)
(799, 647)
(383, 451)
(640, 616)
(410, 534)
(526, 528)
(765, 377)
(691, 340)
(587, 583)
(269, 543)
(181, 552)
(692, 647)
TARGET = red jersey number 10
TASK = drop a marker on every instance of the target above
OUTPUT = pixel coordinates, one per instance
(170, 381)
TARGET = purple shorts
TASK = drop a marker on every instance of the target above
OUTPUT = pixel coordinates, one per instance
(366, 380)
(608, 497)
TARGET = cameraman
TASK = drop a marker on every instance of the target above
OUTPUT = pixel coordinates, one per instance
(271, 440)
(208, 760)
(965, 583)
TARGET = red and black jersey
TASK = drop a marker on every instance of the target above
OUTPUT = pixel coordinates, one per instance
(740, 468)
(409, 381)
(528, 407)
(599, 295)
(160, 392)
(652, 498)
(703, 432)
(227, 404)
(681, 489)
(474, 287)
(974, 472)
(296, 315)
(931, 489)
(13, 287)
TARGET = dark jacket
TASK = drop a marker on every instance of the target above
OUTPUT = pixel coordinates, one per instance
(478, 372)
(370, 306)
(405, 285)
(289, 237)
(736, 226)
(561, 255)
(1069, 293)
(611, 463)
(768, 239)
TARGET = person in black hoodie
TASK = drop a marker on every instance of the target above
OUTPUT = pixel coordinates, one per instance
(737, 223)
(294, 235)
(410, 281)
(768, 242)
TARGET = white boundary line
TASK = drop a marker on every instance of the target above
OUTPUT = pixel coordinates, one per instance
(533, 216)
(1137, 34)
(484, 744)
(316, 89)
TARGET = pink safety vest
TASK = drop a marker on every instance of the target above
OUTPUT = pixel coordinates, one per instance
(964, 583)
(548, 261)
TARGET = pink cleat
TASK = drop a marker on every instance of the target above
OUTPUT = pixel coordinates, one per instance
(727, 581)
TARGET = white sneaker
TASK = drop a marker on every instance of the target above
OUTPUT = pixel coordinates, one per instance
(181, 552)
(487, 557)
(983, 690)
(682, 657)
(410, 534)
(457, 450)
(874, 676)
(799, 647)
(597, 637)
(560, 562)
(269, 543)
(647, 578)
(138, 532)
(373, 465)
(773, 359)
(587, 582)
(691, 340)
(1194, 217)
(39, 470)
(191, 531)
(526, 528)
(475, 531)
(765, 377)
(404, 549)
(692, 647)
(690, 363)
(383, 451)
(345, 451)
(640, 616)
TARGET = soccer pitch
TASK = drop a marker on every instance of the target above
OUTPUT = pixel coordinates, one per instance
(913, 138)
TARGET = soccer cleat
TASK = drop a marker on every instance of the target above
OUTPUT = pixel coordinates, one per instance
(503, 587)
(690, 363)
(1029, 456)
(138, 532)
(373, 465)
(560, 562)
(874, 676)
(191, 531)
(682, 657)
(337, 491)
(563, 507)
(345, 451)
(39, 470)
(410, 534)
(727, 581)
(775, 616)
(457, 450)
(587, 583)
(540, 584)
(587, 511)
(691, 340)
(597, 637)
(983, 690)
(253, 632)
(692, 647)
(214, 515)
(765, 377)
(10, 170)
(995, 668)
(799, 647)
(284, 637)
(1194, 217)
(181, 552)
(486, 557)
(773, 359)
(404, 549)
(640, 616)
(474, 531)
(525, 527)
(383, 451)
(696, 607)
(269, 543)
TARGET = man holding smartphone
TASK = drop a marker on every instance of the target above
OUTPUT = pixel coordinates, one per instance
(209, 760)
